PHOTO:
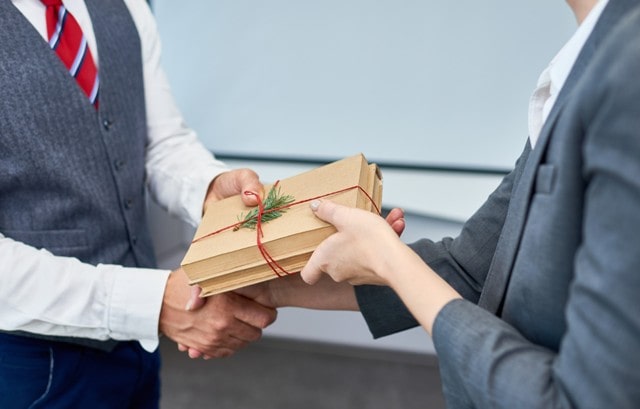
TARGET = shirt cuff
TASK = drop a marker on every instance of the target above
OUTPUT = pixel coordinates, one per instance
(134, 309)
(383, 311)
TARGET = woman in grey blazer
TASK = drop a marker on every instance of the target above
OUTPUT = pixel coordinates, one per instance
(536, 304)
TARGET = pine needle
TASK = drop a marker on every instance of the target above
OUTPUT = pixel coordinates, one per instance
(274, 200)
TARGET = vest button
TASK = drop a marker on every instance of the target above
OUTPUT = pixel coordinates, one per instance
(134, 240)
(128, 204)
(106, 124)
(118, 164)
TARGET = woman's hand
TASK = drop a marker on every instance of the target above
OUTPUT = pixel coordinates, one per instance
(366, 249)
(359, 252)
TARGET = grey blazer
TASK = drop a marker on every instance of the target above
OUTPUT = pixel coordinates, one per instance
(553, 257)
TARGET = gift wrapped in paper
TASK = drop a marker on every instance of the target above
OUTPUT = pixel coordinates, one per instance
(233, 247)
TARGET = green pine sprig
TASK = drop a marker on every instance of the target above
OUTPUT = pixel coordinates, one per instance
(274, 200)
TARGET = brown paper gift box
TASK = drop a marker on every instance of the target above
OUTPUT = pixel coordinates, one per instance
(222, 259)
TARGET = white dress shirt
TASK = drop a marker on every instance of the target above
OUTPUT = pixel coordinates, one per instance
(47, 294)
(553, 77)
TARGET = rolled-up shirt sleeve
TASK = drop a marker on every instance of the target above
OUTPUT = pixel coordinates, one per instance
(47, 294)
(179, 166)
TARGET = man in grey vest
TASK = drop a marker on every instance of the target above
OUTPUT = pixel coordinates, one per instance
(83, 138)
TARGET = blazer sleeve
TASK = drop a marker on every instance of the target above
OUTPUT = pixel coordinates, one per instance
(485, 362)
(463, 262)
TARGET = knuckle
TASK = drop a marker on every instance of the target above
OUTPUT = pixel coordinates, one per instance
(254, 336)
(224, 353)
(222, 324)
(214, 339)
(269, 318)
(247, 173)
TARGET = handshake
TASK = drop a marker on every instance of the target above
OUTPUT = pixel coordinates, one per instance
(216, 326)
(222, 323)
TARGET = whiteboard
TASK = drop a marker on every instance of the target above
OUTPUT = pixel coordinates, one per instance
(418, 82)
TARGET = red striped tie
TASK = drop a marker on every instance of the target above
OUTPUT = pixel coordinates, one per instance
(67, 40)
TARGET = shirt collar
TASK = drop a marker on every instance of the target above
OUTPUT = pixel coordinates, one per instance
(554, 76)
(562, 63)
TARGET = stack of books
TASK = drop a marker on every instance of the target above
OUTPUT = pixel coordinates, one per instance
(232, 250)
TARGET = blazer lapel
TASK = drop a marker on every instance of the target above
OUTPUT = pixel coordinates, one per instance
(500, 271)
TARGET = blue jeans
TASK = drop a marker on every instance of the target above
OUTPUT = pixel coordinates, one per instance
(44, 374)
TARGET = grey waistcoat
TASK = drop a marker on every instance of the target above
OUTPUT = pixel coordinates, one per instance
(72, 179)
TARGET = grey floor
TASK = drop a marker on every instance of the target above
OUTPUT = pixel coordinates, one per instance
(283, 374)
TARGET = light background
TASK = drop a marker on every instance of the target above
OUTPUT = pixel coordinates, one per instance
(402, 81)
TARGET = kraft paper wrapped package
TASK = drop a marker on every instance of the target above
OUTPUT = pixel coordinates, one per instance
(228, 251)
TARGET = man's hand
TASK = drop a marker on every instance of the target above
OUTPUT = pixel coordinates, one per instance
(232, 183)
(226, 323)
(227, 184)
(395, 219)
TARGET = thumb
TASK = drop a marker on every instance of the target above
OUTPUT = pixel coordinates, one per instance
(329, 212)
(195, 302)
(249, 181)
(311, 272)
